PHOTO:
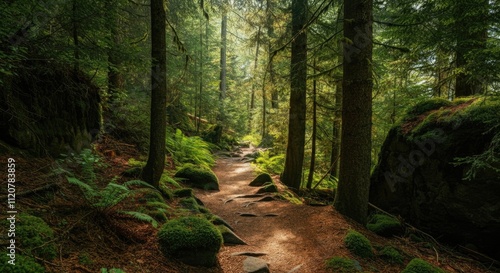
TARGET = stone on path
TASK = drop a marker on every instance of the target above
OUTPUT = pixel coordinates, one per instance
(296, 269)
(255, 265)
(261, 179)
(230, 238)
(248, 253)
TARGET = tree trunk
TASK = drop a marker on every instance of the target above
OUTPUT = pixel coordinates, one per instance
(292, 173)
(337, 122)
(354, 181)
(76, 43)
(310, 177)
(115, 77)
(156, 157)
(272, 73)
(470, 39)
(223, 66)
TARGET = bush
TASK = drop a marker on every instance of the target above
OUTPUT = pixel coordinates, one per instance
(193, 240)
(384, 225)
(23, 264)
(358, 244)
(391, 254)
(420, 266)
(198, 177)
(342, 265)
(271, 164)
(35, 236)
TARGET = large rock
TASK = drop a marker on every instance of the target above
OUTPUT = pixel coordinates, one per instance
(418, 177)
(49, 108)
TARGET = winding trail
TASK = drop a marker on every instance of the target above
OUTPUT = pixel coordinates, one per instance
(298, 238)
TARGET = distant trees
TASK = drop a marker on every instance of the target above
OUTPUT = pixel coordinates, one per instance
(156, 159)
(292, 174)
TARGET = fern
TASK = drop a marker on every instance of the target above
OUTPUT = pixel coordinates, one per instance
(185, 149)
(141, 217)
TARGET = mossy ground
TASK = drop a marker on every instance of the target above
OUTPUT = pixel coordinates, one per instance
(342, 265)
(420, 266)
(384, 225)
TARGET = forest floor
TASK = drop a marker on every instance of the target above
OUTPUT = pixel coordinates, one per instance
(294, 238)
(300, 238)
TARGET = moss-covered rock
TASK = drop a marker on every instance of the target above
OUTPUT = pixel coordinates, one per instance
(184, 192)
(35, 236)
(261, 179)
(420, 266)
(193, 240)
(384, 225)
(358, 244)
(439, 170)
(268, 187)
(60, 113)
(193, 204)
(391, 254)
(22, 264)
(198, 177)
(342, 265)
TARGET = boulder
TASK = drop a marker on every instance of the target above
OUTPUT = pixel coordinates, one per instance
(438, 169)
(198, 177)
(261, 179)
(255, 265)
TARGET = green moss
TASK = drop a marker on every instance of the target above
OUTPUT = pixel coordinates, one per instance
(420, 266)
(426, 106)
(193, 240)
(23, 264)
(184, 192)
(35, 236)
(169, 182)
(358, 244)
(391, 254)
(198, 177)
(268, 187)
(342, 265)
(290, 197)
(261, 179)
(384, 225)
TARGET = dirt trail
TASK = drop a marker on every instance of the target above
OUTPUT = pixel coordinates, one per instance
(300, 237)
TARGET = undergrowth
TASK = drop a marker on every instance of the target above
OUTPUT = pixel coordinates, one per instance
(184, 149)
(268, 163)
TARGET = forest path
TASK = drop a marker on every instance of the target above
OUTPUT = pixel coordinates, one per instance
(299, 238)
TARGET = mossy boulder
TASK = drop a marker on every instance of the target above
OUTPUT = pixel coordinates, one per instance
(358, 244)
(420, 266)
(50, 108)
(268, 187)
(22, 264)
(192, 240)
(193, 204)
(261, 179)
(391, 254)
(342, 265)
(439, 170)
(384, 225)
(198, 177)
(184, 192)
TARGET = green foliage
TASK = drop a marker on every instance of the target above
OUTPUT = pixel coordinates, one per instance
(391, 254)
(166, 180)
(192, 239)
(253, 139)
(358, 244)
(86, 162)
(23, 264)
(112, 270)
(105, 200)
(420, 266)
(184, 192)
(384, 225)
(270, 164)
(290, 197)
(198, 176)
(35, 236)
(185, 149)
(342, 265)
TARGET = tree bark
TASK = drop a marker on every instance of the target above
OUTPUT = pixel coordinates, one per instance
(312, 166)
(223, 66)
(156, 157)
(115, 77)
(294, 159)
(354, 181)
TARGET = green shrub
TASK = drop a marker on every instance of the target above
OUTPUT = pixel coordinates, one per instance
(384, 225)
(358, 244)
(192, 150)
(193, 240)
(23, 264)
(35, 236)
(420, 266)
(391, 254)
(342, 265)
(198, 177)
